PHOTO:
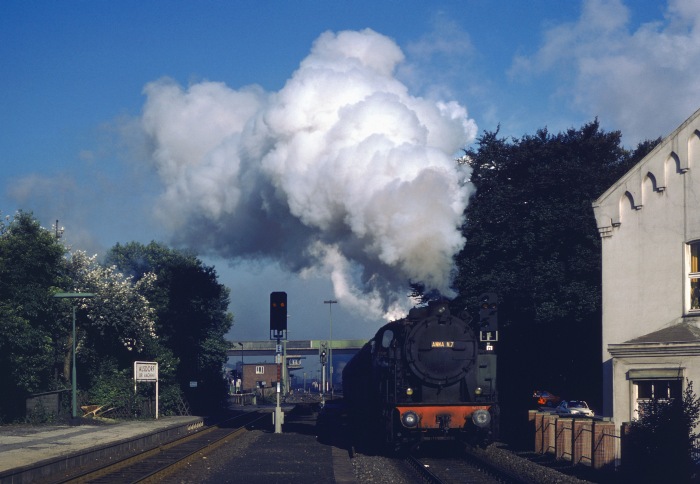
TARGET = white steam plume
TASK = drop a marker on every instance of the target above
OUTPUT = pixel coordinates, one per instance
(342, 171)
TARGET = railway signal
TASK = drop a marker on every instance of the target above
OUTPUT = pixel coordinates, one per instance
(278, 331)
(488, 319)
(278, 311)
(322, 352)
(488, 312)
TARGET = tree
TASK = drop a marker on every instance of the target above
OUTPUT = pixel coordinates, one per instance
(191, 314)
(117, 327)
(113, 329)
(30, 335)
(532, 239)
(118, 324)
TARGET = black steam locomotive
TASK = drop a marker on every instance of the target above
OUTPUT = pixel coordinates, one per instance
(425, 377)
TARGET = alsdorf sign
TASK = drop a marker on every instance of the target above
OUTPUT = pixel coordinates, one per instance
(145, 371)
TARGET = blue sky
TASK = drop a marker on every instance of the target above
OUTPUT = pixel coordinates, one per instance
(239, 129)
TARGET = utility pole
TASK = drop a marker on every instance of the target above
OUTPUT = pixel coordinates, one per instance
(330, 303)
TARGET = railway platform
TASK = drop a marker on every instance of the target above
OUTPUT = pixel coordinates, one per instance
(29, 453)
(36, 453)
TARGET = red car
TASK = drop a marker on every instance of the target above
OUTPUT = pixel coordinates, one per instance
(546, 399)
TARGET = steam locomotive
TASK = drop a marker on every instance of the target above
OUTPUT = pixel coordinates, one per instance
(425, 377)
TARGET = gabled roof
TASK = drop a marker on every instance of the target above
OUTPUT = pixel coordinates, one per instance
(671, 155)
(678, 333)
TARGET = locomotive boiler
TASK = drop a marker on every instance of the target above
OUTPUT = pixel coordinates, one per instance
(425, 377)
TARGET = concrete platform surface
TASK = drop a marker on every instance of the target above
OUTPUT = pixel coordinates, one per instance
(30, 454)
(24, 445)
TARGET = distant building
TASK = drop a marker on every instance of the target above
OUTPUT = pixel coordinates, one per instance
(259, 375)
(649, 222)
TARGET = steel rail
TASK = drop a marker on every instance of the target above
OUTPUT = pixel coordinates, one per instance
(422, 470)
(159, 469)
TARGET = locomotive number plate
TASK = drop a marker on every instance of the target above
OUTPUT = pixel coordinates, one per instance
(442, 344)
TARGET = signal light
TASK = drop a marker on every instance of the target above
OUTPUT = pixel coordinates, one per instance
(278, 311)
(488, 312)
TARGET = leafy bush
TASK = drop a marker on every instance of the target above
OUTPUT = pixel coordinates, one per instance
(660, 443)
(115, 389)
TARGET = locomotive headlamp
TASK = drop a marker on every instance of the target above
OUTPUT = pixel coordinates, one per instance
(409, 419)
(477, 391)
(409, 391)
(481, 418)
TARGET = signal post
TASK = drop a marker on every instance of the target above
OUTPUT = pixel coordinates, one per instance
(278, 331)
(488, 337)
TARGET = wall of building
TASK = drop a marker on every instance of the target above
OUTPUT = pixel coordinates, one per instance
(658, 361)
(251, 377)
(645, 221)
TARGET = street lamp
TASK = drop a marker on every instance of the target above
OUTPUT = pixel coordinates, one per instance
(74, 387)
(241, 387)
(330, 303)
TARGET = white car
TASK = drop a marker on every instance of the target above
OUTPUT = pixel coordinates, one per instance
(574, 408)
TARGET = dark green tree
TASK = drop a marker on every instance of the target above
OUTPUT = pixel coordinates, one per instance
(32, 339)
(532, 239)
(191, 314)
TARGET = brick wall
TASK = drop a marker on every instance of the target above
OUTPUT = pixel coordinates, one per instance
(587, 441)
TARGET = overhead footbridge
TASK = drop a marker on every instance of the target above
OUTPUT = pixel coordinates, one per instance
(296, 347)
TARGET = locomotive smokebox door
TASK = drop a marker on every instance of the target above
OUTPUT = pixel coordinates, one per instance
(438, 352)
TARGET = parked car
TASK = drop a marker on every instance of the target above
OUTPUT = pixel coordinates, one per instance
(545, 398)
(574, 407)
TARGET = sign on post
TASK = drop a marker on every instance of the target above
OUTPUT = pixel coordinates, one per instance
(146, 371)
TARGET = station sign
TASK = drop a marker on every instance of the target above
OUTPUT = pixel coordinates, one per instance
(145, 371)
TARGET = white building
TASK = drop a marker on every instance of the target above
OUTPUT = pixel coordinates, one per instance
(649, 222)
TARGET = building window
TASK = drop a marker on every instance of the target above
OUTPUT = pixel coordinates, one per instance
(658, 389)
(259, 370)
(694, 275)
(649, 390)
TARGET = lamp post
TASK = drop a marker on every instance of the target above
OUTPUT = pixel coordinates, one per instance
(241, 387)
(74, 385)
(330, 303)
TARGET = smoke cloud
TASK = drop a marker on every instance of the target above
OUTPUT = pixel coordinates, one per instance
(341, 173)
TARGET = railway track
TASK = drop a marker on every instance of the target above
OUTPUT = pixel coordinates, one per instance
(458, 467)
(158, 463)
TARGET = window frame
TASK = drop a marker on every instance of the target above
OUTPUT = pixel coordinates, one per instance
(693, 274)
(674, 389)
